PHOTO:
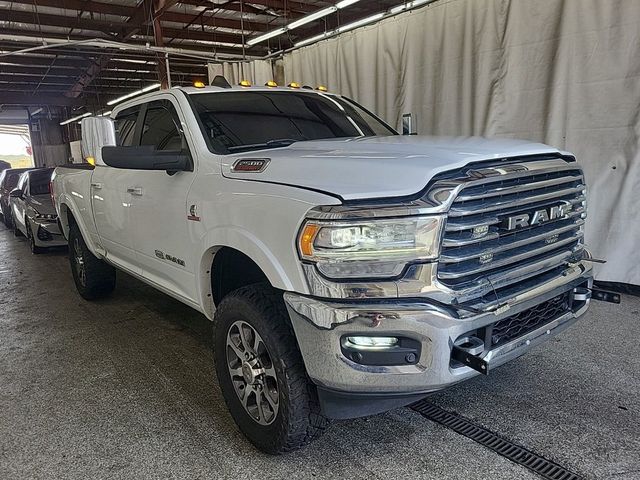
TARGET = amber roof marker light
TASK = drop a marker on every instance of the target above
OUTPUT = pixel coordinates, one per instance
(199, 84)
(244, 83)
(294, 85)
(271, 84)
(322, 88)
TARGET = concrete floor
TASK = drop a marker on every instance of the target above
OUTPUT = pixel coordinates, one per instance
(125, 388)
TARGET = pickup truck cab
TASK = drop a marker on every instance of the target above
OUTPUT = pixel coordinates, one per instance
(347, 269)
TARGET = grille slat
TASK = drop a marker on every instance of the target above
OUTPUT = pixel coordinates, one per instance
(503, 244)
(481, 206)
(520, 188)
(478, 243)
(464, 272)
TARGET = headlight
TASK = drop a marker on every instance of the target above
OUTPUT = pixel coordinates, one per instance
(369, 248)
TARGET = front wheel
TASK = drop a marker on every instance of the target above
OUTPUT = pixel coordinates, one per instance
(93, 277)
(16, 230)
(35, 249)
(261, 372)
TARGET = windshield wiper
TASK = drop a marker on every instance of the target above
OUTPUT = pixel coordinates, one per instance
(280, 142)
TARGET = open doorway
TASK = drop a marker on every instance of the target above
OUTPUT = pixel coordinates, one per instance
(15, 147)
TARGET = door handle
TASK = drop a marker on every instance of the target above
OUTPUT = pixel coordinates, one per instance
(96, 185)
(137, 191)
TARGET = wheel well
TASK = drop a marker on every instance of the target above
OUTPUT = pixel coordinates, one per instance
(231, 270)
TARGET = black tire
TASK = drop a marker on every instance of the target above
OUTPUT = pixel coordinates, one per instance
(16, 230)
(93, 278)
(6, 219)
(298, 420)
(35, 249)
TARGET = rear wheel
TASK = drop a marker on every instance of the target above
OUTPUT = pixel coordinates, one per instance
(35, 249)
(93, 278)
(261, 372)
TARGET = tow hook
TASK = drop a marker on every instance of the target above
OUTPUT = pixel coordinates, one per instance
(584, 293)
(467, 358)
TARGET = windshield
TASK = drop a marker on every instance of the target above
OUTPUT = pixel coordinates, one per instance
(12, 180)
(251, 120)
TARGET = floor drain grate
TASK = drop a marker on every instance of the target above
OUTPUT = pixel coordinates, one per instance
(515, 453)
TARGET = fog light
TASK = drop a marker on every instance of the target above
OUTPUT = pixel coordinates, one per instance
(372, 342)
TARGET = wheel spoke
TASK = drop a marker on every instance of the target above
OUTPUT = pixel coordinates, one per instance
(261, 417)
(247, 392)
(236, 349)
(243, 339)
(236, 372)
(272, 403)
(270, 372)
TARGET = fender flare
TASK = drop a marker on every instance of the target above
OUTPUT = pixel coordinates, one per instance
(66, 206)
(245, 242)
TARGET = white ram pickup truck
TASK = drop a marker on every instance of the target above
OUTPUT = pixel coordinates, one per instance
(348, 269)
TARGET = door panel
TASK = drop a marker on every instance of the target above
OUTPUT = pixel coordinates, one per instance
(160, 207)
(112, 214)
(112, 202)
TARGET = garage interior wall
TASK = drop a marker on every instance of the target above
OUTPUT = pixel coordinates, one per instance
(562, 72)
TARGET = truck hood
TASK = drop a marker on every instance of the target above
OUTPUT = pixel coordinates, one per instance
(375, 167)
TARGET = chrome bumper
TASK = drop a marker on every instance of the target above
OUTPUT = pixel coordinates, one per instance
(320, 326)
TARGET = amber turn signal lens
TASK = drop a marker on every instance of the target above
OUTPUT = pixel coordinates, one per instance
(306, 239)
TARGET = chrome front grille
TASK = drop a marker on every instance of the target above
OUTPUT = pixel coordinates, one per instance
(493, 236)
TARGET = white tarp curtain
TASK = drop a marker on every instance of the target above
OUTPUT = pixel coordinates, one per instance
(258, 72)
(566, 73)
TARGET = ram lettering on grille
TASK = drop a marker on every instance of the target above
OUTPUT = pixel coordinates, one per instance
(503, 230)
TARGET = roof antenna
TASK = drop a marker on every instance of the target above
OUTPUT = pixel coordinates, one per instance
(220, 81)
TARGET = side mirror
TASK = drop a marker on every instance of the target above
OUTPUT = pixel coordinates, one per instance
(146, 157)
(16, 193)
(97, 132)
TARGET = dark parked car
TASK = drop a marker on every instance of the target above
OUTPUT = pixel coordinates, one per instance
(8, 181)
(33, 213)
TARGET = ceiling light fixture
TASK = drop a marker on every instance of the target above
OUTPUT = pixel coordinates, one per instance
(359, 23)
(307, 41)
(133, 94)
(302, 21)
(75, 118)
(408, 6)
(266, 36)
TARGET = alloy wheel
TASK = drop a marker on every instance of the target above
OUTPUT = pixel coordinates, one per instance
(252, 372)
(78, 258)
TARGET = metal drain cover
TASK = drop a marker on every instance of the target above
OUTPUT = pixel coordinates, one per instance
(517, 454)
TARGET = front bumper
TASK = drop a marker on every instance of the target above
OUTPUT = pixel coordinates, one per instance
(47, 233)
(320, 326)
